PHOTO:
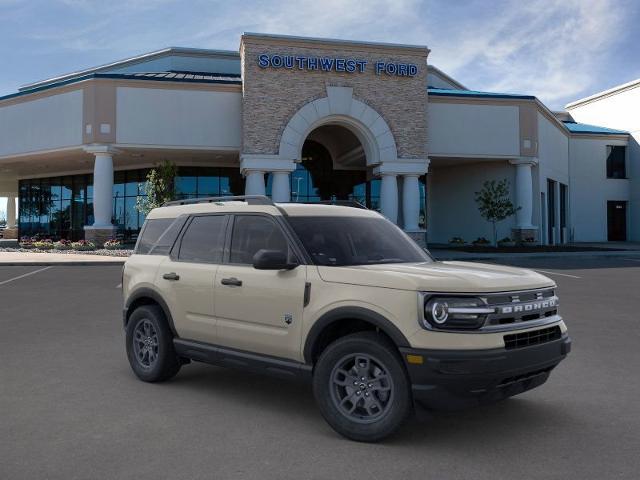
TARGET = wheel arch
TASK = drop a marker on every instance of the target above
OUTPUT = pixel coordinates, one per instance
(147, 296)
(329, 321)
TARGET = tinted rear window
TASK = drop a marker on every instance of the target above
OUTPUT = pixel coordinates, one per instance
(203, 242)
(153, 229)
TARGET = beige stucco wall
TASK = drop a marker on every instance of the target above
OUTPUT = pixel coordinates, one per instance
(272, 96)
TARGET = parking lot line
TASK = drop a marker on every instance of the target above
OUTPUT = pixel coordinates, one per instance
(25, 275)
(556, 273)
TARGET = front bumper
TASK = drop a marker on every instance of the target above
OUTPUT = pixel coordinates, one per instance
(449, 380)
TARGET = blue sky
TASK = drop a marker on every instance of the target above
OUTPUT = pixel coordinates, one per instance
(559, 50)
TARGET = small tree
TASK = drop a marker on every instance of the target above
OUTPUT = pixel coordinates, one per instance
(159, 188)
(494, 203)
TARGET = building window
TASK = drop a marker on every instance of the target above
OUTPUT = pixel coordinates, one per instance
(616, 161)
(60, 207)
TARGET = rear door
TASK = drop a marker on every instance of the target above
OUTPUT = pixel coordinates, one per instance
(259, 310)
(617, 221)
(186, 278)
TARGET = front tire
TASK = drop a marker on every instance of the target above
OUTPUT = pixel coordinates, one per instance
(150, 345)
(361, 387)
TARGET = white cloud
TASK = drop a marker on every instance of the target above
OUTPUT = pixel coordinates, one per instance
(553, 49)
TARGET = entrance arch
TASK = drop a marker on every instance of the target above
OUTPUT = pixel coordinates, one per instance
(333, 167)
(340, 108)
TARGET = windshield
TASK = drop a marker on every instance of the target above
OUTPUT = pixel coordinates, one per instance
(345, 241)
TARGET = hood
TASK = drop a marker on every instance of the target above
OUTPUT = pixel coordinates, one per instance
(456, 277)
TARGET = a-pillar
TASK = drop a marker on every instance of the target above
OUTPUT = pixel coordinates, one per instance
(524, 198)
(102, 228)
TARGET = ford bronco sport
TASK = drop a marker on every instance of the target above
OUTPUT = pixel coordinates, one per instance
(339, 296)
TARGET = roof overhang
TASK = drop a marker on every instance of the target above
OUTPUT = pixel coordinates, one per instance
(145, 57)
(605, 93)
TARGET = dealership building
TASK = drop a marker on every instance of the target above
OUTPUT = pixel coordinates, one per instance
(306, 119)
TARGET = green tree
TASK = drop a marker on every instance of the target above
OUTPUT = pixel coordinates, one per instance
(494, 203)
(159, 188)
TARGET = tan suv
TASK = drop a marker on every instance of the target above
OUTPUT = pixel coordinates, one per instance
(339, 296)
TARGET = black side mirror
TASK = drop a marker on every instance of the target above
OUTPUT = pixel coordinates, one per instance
(272, 260)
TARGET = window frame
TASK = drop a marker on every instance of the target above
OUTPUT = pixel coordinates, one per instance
(292, 240)
(174, 254)
(609, 149)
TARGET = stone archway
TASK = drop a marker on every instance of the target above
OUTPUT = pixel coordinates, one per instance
(340, 108)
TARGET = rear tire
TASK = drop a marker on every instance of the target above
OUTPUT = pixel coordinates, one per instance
(150, 345)
(362, 388)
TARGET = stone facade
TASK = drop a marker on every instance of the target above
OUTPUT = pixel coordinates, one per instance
(524, 234)
(10, 233)
(272, 96)
(98, 235)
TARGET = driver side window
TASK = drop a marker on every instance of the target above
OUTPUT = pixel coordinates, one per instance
(252, 233)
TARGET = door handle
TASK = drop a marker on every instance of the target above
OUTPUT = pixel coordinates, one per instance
(232, 282)
(171, 276)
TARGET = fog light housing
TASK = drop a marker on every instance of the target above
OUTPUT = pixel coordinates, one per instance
(456, 313)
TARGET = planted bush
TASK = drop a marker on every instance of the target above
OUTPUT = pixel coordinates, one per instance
(83, 245)
(481, 241)
(26, 242)
(506, 242)
(43, 244)
(113, 244)
(457, 241)
(62, 244)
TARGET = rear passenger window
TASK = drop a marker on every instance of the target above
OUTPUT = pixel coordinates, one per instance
(168, 238)
(203, 241)
(153, 229)
(252, 233)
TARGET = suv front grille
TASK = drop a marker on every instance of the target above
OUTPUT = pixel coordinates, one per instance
(534, 337)
(521, 306)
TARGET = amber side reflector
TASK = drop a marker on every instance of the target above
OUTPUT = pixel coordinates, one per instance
(415, 359)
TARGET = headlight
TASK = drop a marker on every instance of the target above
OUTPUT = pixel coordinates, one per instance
(455, 312)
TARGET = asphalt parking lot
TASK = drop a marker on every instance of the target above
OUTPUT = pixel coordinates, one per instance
(71, 408)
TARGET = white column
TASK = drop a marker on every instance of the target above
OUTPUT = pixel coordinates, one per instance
(254, 182)
(524, 192)
(411, 202)
(11, 212)
(280, 190)
(103, 189)
(389, 196)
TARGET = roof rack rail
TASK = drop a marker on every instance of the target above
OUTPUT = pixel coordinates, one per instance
(342, 203)
(250, 199)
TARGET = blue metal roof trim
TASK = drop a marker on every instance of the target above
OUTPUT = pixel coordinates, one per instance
(445, 92)
(227, 79)
(575, 127)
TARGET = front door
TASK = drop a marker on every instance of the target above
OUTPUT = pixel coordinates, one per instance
(186, 278)
(617, 221)
(259, 310)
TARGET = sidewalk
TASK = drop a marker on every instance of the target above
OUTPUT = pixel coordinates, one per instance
(37, 259)
(447, 254)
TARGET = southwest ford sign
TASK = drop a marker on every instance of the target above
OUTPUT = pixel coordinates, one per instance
(334, 64)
